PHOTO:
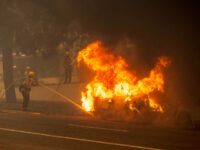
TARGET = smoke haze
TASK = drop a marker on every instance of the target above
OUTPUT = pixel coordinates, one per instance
(141, 31)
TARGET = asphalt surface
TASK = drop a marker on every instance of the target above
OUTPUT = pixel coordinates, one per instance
(35, 131)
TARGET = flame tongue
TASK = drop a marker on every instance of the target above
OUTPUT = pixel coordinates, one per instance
(113, 79)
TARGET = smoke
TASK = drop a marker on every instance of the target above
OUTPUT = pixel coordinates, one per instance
(155, 29)
(140, 31)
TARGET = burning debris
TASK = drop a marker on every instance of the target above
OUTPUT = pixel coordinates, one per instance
(115, 87)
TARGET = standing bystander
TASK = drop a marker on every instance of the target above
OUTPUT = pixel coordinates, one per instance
(68, 68)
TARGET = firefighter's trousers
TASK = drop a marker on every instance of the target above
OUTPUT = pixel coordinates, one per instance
(26, 98)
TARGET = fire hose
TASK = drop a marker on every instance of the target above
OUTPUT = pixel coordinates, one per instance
(9, 86)
(66, 98)
(51, 90)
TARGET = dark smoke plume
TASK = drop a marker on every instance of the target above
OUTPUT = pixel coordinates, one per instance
(154, 28)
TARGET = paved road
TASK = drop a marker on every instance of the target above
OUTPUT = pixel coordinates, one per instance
(26, 131)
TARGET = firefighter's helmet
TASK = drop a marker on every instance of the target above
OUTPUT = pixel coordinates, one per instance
(28, 67)
(31, 74)
(14, 67)
(67, 53)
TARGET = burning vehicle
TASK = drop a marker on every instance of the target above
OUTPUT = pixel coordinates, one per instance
(116, 92)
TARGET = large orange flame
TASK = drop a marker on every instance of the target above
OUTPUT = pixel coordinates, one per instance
(113, 79)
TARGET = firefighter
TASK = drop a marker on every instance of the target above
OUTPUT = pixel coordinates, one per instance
(68, 68)
(25, 89)
(27, 70)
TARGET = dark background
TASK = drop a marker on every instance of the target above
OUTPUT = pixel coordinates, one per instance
(156, 28)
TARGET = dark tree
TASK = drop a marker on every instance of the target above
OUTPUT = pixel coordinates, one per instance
(7, 27)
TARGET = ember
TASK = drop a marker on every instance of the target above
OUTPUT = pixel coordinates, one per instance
(113, 81)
